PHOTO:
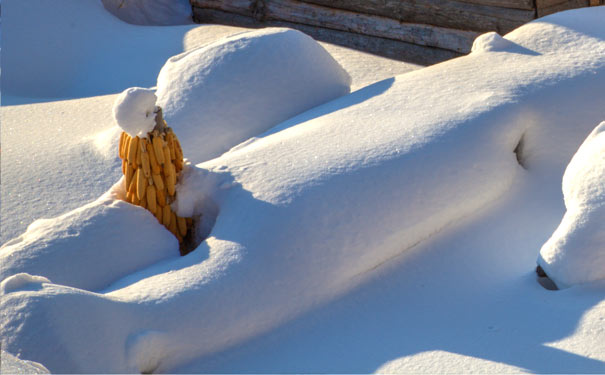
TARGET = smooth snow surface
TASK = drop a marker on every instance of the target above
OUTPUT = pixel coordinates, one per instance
(375, 232)
(149, 13)
(220, 95)
(575, 253)
(134, 111)
(75, 48)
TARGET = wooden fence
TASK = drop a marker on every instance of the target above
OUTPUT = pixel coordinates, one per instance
(422, 31)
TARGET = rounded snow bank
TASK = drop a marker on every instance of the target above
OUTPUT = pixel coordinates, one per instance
(219, 95)
(575, 253)
(87, 248)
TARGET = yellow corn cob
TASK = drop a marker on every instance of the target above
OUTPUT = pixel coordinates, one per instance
(166, 152)
(169, 141)
(141, 184)
(124, 163)
(158, 213)
(161, 197)
(182, 224)
(132, 186)
(155, 167)
(151, 198)
(121, 145)
(128, 196)
(129, 173)
(158, 145)
(145, 161)
(143, 202)
(173, 225)
(135, 200)
(178, 164)
(177, 148)
(138, 157)
(166, 216)
(132, 151)
(170, 174)
(157, 181)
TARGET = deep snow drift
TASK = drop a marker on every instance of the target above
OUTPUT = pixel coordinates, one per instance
(243, 85)
(574, 254)
(327, 201)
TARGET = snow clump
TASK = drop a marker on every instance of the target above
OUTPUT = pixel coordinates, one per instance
(134, 110)
(574, 254)
(222, 94)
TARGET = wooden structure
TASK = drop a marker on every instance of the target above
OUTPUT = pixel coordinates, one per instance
(421, 31)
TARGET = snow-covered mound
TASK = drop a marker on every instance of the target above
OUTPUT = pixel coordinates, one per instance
(156, 12)
(310, 209)
(220, 95)
(52, 49)
(112, 239)
(575, 253)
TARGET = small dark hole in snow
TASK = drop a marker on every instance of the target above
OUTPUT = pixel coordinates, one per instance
(519, 152)
(544, 280)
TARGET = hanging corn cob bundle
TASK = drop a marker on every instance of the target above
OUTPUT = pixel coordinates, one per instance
(152, 164)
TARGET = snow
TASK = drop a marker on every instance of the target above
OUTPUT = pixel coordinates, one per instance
(9, 364)
(134, 111)
(217, 96)
(394, 229)
(49, 245)
(574, 254)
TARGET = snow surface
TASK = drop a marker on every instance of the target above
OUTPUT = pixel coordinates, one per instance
(220, 95)
(575, 253)
(9, 364)
(398, 216)
(134, 111)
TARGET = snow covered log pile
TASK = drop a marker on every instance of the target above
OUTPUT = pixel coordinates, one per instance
(448, 27)
(152, 158)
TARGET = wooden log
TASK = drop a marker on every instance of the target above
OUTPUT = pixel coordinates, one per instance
(546, 7)
(389, 48)
(460, 15)
(321, 16)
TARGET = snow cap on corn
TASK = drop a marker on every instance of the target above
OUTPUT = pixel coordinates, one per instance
(134, 110)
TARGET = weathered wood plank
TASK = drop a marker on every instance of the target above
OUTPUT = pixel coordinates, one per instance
(321, 16)
(546, 7)
(379, 46)
(512, 4)
(444, 13)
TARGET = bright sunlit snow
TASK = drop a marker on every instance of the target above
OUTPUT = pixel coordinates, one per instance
(394, 229)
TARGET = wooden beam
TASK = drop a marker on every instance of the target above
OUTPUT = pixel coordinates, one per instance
(392, 49)
(444, 13)
(546, 7)
(320, 16)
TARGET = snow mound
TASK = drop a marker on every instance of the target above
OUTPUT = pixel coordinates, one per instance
(222, 94)
(491, 42)
(134, 111)
(575, 253)
(17, 282)
(112, 237)
(156, 12)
